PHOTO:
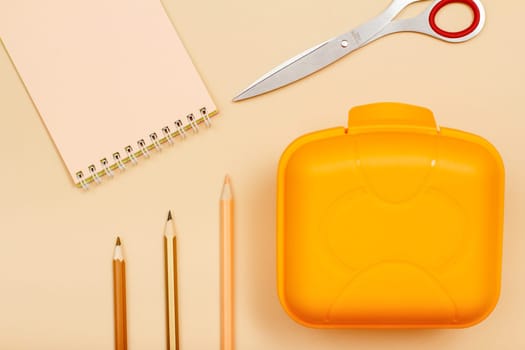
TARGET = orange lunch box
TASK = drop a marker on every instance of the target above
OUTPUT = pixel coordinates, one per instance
(391, 223)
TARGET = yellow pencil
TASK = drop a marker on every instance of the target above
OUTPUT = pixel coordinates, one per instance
(170, 273)
(119, 296)
(226, 228)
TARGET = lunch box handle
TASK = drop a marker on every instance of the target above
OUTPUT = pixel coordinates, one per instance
(390, 116)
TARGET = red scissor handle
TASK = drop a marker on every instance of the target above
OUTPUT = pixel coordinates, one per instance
(461, 33)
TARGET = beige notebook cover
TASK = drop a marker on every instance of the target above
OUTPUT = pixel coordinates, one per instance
(110, 78)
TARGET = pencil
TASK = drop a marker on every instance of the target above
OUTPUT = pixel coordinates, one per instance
(119, 297)
(170, 275)
(226, 241)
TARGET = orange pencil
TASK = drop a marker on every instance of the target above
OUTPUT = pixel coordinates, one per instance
(226, 228)
(119, 295)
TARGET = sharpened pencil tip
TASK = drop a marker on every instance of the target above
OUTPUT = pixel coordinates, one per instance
(226, 189)
(118, 241)
(169, 215)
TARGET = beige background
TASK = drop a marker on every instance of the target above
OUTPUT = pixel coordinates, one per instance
(56, 241)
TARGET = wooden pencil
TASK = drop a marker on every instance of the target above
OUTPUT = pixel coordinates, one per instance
(171, 283)
(119, 297)
(227, 281)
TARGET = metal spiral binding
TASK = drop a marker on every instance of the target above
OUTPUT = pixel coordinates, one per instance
(143, 148)
(107, 168)
(120, 159)
(82, 180)
(131, 156)
(204, 114)
(180, 128)
(93, 172)
(155, 140)
(193, 123)
(167, 134)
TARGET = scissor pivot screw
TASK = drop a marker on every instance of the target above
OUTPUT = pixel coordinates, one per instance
(344, 43)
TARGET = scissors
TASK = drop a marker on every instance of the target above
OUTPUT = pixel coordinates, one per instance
(332, 50)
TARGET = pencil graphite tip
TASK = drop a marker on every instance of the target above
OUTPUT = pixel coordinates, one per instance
(226, 189)
(169, 228)
(117, 252)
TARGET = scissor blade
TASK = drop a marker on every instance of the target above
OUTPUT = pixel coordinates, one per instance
(298, 67)
(322, 55)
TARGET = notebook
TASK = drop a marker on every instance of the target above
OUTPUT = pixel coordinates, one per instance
(111, 79)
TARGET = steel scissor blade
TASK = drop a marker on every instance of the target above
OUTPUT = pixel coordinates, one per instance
(322, 55)
(297, 68)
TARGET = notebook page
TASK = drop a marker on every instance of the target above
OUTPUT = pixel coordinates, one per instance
(103, 74)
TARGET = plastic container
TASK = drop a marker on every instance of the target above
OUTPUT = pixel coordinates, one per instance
(391, 223)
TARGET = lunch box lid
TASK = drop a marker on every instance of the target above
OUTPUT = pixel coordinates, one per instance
(389, 223)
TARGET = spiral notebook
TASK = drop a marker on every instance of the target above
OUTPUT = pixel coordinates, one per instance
(111, 79)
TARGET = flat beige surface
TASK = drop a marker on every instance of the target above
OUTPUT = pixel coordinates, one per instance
(56, 241)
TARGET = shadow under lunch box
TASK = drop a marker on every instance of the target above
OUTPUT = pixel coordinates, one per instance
(391, 223)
